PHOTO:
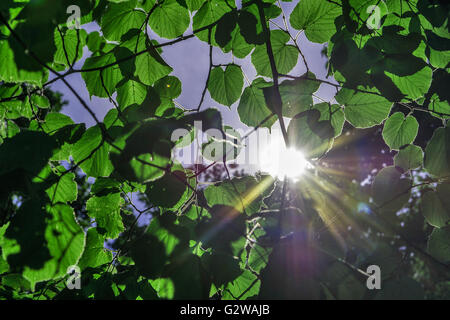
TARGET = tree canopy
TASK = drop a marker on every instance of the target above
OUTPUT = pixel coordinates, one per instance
(377, 194)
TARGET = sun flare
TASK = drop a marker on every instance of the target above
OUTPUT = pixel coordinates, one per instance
(279, 161)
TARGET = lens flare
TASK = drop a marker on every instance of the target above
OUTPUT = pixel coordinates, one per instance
(279, 161)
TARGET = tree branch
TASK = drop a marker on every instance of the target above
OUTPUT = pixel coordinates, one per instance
(277, 102)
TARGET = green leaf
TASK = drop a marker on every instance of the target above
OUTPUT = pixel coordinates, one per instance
(437, 153)
(390, 191)
(408, 158)
(238, 46)
(220, 148)
(363, 110)
(246, 197)
(413, 86)
(357, 14)
(244, 286)
(15, 108)
(167, 191)
(16, 281)
(168, 87)
(149, 255)
(55, 121)
(106, 184)
(194, 5)
(210, 12)
(92, 153)
(43, 240)
(147, 5)
(95, 42)
(103, 82)
(249, 25)
(344, 283)
(4, 267)
(225, 27)
(169, 19)
(120, 18)
(27, 150)
(131, 92)
(399, 130)
(398, 75)
(39, 101)
(161, 228)
(164, 287)
(285, 55)
(149, 66)
(112, 119)
(258, 257)
(94, 254)
(225, 87)
(297, 94)
(188, 276)
(316, 18)
(38, 37)
(228, 226)
(252, 107)
(106, 211)
(334, 113)
(10, 72)
(173, 237)
(146, 150)
(311, 135)
(441, 108)
(439, 59)
(144, 172)
(70, 42)
(439, 244)
(436, 206)
(223, 267)
(63, 190)
(8, 129)
(211, 119)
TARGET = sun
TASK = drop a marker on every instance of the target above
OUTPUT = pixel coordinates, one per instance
(279, 161)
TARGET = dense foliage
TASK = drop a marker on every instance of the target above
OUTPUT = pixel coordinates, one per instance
(72, 195)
